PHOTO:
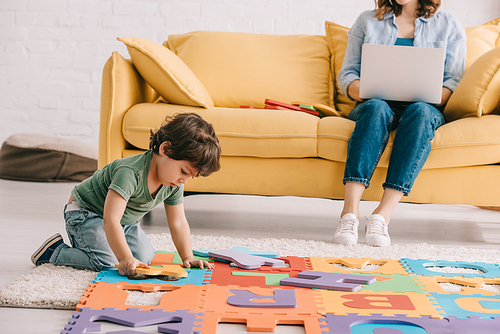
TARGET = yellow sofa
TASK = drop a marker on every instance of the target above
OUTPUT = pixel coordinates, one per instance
(289, 153)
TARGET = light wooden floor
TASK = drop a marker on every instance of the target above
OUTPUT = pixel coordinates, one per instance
(31, 212)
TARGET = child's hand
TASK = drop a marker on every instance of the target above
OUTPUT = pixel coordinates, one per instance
(127, 266)
(192, 262)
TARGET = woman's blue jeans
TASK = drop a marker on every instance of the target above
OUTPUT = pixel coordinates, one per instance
(375, 119)
(89, 246)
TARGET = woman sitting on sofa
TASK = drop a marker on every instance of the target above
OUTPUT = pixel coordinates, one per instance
(396, 22)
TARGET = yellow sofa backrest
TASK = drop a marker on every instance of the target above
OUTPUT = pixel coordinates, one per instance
(245, 68)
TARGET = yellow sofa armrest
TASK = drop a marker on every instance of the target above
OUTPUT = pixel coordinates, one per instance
(122, 88)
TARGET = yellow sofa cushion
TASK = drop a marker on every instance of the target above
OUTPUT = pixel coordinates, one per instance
(336, 37)
(245, 69)
(258, 133)
(466, 142)
(481, 39)
(166, 73)
(477, 93)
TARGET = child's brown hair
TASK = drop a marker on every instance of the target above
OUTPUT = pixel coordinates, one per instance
(426, 8)
(191, 139)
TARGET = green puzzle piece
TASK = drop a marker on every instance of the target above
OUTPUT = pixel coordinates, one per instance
(397, 283)
(271, 279)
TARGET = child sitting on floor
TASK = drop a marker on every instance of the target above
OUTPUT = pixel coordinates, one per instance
(103, 212)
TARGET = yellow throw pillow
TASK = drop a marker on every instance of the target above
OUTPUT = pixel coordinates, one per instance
(478, 93)
(166, 73)
(481, 39)
(336, 37)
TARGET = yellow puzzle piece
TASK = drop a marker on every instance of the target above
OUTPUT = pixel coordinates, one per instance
(165, 269)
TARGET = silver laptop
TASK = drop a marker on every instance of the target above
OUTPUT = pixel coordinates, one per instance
(401, 73)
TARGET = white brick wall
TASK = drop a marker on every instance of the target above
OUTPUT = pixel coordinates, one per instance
(52, 51)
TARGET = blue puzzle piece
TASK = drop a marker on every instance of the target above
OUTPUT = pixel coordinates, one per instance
(241, 249)
(179, 322)
(195, 277)
(419, 267)
(461, 306)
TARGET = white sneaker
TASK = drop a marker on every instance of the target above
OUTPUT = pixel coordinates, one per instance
(377, 233)
(347, 230)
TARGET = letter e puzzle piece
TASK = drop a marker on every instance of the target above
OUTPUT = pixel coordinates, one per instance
(245, 261)
(328, 281)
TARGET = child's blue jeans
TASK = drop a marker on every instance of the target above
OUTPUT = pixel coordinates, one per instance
(89, 246)
(375, 119)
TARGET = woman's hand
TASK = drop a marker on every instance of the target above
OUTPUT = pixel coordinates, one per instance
(353, 90)
(127, 266)
(192, 262)
(445, 96)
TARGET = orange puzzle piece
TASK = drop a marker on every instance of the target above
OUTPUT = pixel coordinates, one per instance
(165, 269)
(387, 267)
(115, 295)
(388, 304)
(218, 310)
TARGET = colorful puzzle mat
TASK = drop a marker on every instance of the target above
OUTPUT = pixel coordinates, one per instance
(323, 295)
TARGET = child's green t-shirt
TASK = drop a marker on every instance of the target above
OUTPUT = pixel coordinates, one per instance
(129, 178)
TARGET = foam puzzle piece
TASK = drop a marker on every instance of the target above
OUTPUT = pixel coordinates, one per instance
(241, 249)
(115, 295)
(474, 325)
(393, 283)
(280, 299)
(165, 269)
(328, 281)
(419, 267)
(245, 261)
(387, 266)
(195, 276)
(270, 278)
(84, 320)
(343, 324)
(259, 319)
(462, 306)
(162, 258)
(470, 285)
(367, 303)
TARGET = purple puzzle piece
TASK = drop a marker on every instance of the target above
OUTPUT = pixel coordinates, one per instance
(244, 298)
(341, 324)
(475, 325)
(245, 261)
(84, 321)
(328, 281)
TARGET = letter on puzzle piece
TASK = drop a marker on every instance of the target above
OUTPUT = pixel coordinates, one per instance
(245, 298)
(365, 301)
(328, 281)
(245, 261)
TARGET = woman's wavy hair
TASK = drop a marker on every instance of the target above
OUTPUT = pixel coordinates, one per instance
(191, 139)
(426, 8)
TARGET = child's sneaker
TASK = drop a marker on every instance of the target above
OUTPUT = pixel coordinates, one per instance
(347, 230)
(377, 231)
(45, 251)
